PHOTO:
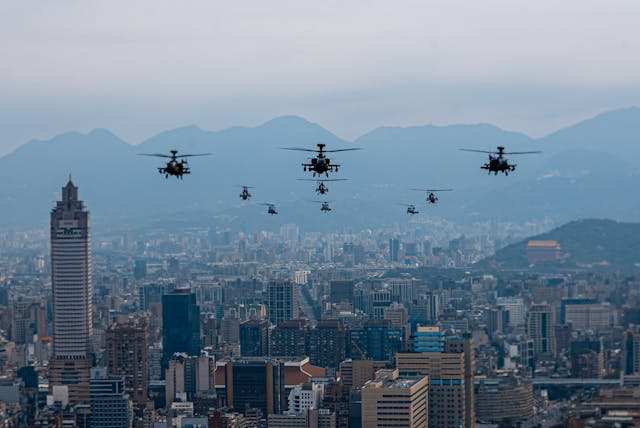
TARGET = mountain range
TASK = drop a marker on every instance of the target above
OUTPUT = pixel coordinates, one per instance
(589, 169)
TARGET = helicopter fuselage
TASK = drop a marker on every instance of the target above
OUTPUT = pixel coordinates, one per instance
(498, 164)
(175, 168)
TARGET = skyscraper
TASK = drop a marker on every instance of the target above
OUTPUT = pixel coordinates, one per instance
(180, 324)
(282, 301)
(540, 330)
(632, 351)
(127, 356)
(394, 249)
(72, 294)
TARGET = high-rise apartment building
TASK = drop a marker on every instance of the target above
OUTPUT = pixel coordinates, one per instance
(394, 401)
(327, 345)
(289, 339)
(540, 329)
(127, 356)
(283, 301)
(180, 324)
(72, 294)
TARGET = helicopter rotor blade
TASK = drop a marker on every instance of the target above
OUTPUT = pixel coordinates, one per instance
(190, 156)
(479, 151)
(299, 149)
(521, 153)
(342, 150)
(433, 190)
(157, 155)
(320, 180)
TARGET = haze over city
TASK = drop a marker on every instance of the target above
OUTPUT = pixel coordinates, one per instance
(138, 69)
(341, 214)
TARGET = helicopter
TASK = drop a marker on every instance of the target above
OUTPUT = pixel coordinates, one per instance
(271, 209)
(245, 193)
(322, 189)
(411, 209)
(325, 208)
(431, 197)
(498, 163)
(174, 167)
(321, 164)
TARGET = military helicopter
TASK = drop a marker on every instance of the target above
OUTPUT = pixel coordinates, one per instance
(321, 164)
(322, 189)
(431, 197)
(498, 163)
(411, 209)
(271, 209)
(325, 208)
(173, 166)
(245, 193)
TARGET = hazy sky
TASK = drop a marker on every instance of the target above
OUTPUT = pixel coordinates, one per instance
(140, 67)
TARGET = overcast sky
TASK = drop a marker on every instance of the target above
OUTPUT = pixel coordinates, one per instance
(140, 67)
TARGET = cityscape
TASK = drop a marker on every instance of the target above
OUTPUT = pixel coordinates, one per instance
(284, 329)
(454, 244)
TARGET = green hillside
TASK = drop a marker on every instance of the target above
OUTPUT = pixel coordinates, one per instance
(595, 244)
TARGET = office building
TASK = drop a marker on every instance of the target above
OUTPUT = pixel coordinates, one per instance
(491, 395)
(394, 250)
(254, 382)
(448, 394)
(377, 340)
(341, 291)
(72, 296)
(394, 401)
(304, 397)
(110, 404)
(428, 339)
(254, 338)
(189, 375)
(127, 356)
(180, 324)
(632, 351)
(540, 329)
(355, 373)
(516, 309)
(283, 304)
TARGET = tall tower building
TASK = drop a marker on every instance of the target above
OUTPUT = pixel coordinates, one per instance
(283, 301)
(394, 250)
(180, 324)
(632, 351)
(540, 329)
(72, 294)
(127, 357)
